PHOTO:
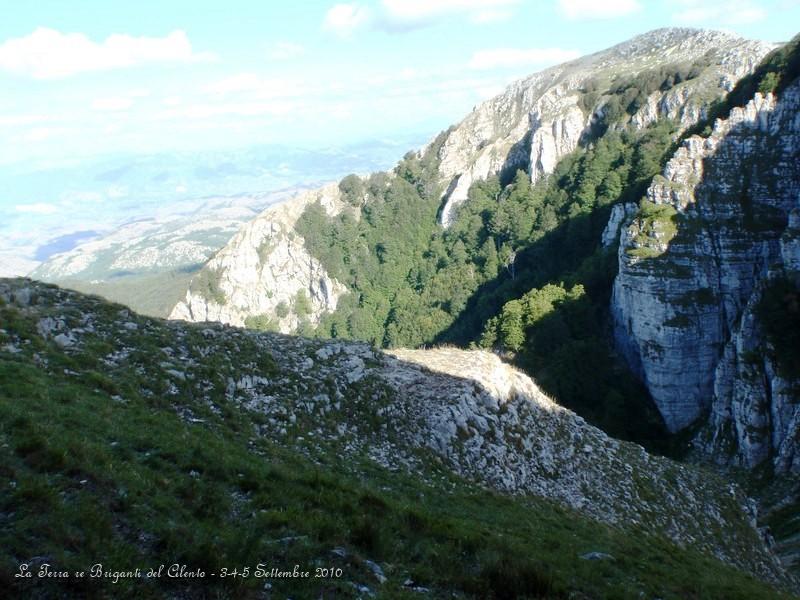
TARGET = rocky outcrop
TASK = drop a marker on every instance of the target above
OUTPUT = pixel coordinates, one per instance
(720, 223)
(264, 277)
(417, 411)
(620, 215)
(542, 118)
(755, 414)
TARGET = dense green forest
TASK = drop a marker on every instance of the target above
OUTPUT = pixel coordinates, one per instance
(521, 269)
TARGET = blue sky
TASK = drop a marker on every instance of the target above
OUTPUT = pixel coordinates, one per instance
(92, 77)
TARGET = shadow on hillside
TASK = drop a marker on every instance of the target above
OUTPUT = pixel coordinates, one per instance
(569, 352)
(750, 204)
(559, 251)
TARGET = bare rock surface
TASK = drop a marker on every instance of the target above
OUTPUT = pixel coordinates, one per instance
(690, 281)
(265, 266)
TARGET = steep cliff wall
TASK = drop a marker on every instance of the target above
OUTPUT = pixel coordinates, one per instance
(714, 230)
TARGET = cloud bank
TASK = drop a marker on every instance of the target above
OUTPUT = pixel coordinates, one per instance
(50, 54)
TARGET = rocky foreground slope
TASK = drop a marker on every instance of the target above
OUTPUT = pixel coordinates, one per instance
(411, 412)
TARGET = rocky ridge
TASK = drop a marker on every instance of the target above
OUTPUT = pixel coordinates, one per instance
(406, 410)
(723, 223)
(540, 119)
(263, 268)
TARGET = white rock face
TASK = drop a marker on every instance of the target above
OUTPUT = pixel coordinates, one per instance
(755, 414)
(620, 215)
(263, 268)
(538, 120)
(684, 305)
(554, 136)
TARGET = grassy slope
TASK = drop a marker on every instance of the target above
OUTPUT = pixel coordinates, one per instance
(130, 483)
(152, 294)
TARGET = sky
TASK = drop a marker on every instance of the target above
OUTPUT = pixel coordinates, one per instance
(89, 78)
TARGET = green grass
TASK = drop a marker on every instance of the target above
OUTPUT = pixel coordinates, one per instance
(657, 224)
(127, 482)
(153, 294)
(261, 322)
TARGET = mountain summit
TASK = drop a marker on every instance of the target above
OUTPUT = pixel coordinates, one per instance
(531, 126)
(542, 118)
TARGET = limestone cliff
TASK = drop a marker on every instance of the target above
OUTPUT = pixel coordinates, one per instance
(717, 227)
(533, 124)
(265, 273)
(542, 118)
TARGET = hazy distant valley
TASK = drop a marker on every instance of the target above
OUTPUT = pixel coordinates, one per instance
(135, 228)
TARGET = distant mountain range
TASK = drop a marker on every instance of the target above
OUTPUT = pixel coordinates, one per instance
(102, 225)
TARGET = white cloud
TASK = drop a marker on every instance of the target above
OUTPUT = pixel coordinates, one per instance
(592, 9)
(491, 16)
(343, 19)
(111, 104)
(285, 51)
(50, 54)
(172, 101)
(38, 208)
(404, 15)
(730, 12)
(117, 191)
(72, 199)
(416, 13)
(40, 134)
(407, 74)
(241, 82)
(13, 120)
(518, 57)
